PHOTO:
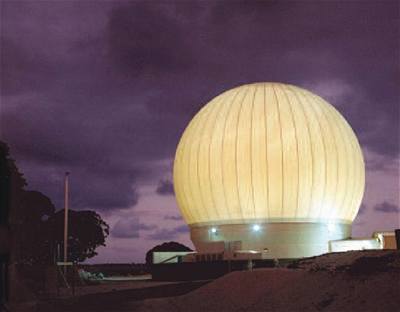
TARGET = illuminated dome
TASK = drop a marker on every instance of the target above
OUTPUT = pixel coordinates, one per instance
(271, 155)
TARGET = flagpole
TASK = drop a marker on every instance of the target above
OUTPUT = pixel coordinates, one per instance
(66, 202)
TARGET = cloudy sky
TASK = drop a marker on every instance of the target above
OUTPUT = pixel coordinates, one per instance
(104, 89)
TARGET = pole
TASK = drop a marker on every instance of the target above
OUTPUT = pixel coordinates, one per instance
(66, 190)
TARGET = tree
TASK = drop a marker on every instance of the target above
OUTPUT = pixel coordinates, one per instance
(170, 246)
(86, 231)
(37, 229)
(35, 241)
(12, 184)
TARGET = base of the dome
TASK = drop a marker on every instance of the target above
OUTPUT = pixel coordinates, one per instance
(274, 240)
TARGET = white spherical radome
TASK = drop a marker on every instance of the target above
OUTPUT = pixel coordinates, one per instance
(271, 152)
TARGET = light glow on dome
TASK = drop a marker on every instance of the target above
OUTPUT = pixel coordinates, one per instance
(270, 152)
(256, 228)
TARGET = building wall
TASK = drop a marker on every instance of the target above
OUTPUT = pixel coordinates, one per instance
(354, 244)
(274, 240)
(168, 256)
(390, 242)
(387, 239)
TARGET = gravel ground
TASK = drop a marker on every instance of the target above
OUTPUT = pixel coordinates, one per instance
(108, 286)
(117, 299)
(352, 281)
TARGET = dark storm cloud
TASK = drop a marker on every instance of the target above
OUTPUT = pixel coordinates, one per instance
(165, 187)
(174, 218)
(104, 89)
(101, 175)
(386, 207)
(130, 228)
(246, 41)
(166, 234)
(363, 209)
(144, 40)
(74, 114)
(15, 63)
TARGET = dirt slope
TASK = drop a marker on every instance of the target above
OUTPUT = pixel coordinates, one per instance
(352, 281)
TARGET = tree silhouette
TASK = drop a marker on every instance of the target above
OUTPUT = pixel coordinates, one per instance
(86, 232)
(37, 229)
(35, 241)
(12, 185)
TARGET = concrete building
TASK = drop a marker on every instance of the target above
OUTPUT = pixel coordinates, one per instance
(268, 169)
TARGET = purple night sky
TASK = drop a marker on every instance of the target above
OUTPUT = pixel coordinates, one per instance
(104, 89)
